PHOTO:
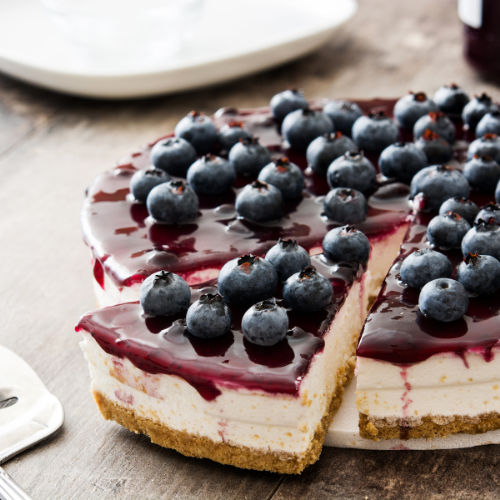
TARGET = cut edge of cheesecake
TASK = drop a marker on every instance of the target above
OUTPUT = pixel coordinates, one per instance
(202, 446)
(244, 457)
(449, 395)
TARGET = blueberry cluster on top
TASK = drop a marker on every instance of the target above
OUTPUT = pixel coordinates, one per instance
(251, 282)
(441, 297)
(334, 140)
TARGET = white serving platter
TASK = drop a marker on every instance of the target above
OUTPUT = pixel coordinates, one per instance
(234, 38)
(344, 433)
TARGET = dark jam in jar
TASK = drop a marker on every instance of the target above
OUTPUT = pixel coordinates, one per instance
(481, 20)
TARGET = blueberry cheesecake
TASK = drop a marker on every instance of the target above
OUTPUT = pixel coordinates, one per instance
(247, 369)
(235, 260)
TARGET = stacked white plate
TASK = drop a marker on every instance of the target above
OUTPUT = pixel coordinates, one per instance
(234, 38)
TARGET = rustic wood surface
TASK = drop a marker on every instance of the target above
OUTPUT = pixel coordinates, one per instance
(52, 146)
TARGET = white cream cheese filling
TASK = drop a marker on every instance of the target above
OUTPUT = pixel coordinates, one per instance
(441, 386)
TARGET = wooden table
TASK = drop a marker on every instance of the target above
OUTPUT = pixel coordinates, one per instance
(52, 146)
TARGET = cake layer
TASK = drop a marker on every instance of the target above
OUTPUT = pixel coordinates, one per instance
(447, 393)
(193, 445)
(270, 417)
(344, 432)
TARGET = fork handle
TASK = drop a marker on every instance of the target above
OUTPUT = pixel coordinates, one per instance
(9, 489)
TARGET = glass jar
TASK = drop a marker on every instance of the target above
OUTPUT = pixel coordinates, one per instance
(481, 20)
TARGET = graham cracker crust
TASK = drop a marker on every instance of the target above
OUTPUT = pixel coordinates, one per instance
(380, 428)
(240, 456)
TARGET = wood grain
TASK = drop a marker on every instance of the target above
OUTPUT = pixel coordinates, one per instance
(23, 110)
(52, 146)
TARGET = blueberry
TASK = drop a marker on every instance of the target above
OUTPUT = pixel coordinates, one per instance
(326, 148)
(483, 239)
(461, 206)
(451, 99)
(438, 122)
(447, 231)
(284, 175)
(343, 115)
(260, 202)
(288, 258)
(287, 101)
(249, 157)
(411, 107)
(143, 181)
(164, 293)
(198, 130)
(438, 183)
(346, 244)
(174, 155)
(345, 206)
(211, 175)
(374, 132)
(488, 145)
(307, 290)
(247, 280)
(402, 160)
(482, 172)
(425, 265)
(302, 126)
(231, 133)
(476, 109)
(172, 202)
(265, 323)
(489, 124)
(489, 211)
(209, 317)
(443, 299)
(479, 274)
(436, 149)
(352, 170)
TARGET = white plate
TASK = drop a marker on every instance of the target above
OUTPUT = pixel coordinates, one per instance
(235, 38)
(344, 433)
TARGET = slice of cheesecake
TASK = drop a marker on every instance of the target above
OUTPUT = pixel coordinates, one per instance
(419, 377)
(256, 407)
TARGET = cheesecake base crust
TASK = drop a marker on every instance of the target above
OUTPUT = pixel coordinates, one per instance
(427, 427)
(244, 457)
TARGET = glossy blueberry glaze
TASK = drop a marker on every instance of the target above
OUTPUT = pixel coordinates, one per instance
(129, 246)
(161, 344)
(396, 331)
